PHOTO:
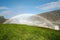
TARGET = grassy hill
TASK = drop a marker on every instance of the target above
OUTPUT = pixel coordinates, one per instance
(25, 32)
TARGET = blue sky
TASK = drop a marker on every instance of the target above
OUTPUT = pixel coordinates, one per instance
(9, 8)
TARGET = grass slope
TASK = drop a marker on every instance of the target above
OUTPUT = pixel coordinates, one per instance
(25, 32)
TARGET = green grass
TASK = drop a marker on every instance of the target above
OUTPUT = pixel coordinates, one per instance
(25, 32)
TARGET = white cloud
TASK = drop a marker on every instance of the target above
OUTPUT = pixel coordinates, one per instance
(50, 5)
(5, 12)
(2, 7)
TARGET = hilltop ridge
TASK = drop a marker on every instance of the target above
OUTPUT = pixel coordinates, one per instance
(51, 16)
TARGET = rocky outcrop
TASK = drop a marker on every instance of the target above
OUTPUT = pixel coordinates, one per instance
(2, 19)
(53, 17)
